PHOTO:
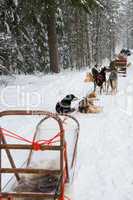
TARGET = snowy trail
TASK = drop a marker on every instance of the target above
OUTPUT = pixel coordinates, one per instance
(105, 161)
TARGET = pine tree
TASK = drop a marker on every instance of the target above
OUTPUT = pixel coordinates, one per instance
(50, 35)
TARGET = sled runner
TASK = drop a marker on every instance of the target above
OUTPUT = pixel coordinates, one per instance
(47, 183)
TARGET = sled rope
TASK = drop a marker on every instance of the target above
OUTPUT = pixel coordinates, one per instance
(36, 144)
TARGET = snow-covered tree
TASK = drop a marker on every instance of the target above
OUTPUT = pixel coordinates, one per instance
(49, 35)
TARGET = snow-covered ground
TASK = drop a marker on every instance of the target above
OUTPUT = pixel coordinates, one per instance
(104, 167)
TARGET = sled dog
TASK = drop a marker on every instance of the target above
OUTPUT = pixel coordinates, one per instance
(86, 105)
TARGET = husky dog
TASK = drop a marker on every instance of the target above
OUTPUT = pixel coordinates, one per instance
(98, 78)
(64, 106)
(113, 81)
(86, 105)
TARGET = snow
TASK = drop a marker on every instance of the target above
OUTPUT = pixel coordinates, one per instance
(104, 167)
(16, 2)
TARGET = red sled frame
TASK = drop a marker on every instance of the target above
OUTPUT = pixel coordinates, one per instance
(62, 172)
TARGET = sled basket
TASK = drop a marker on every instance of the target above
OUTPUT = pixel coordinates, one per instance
(47, 183)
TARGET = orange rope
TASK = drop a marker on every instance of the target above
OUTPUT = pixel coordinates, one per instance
(36, 144)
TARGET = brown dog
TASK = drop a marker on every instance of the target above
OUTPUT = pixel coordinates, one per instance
(87, 104)
(89, 78)
(92, 95)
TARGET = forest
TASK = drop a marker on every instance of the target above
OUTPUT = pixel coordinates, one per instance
(48, 36)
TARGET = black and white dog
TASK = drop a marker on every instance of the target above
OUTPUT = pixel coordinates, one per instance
(64, 106)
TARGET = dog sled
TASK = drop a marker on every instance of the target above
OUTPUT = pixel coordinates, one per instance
(48, 183)
(121, 65)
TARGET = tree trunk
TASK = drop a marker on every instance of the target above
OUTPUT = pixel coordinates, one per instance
(52, 36)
